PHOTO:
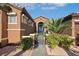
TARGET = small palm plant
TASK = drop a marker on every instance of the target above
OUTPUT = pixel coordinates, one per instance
(57, 26)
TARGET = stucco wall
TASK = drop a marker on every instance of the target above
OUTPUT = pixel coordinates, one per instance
(68, 30)
(3, 28)
(0, 25)
(73, 22)
(77, 28)
(76, 24)
(14, 37)
(15, 29)
(28, 29)
(27, 24)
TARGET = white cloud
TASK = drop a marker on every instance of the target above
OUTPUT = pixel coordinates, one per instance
(60, 4)
(52, 6)
(48, 8)
(24, 4)
(43, 6)
(27, 5)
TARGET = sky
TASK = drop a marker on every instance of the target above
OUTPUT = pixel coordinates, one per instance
(50, 10)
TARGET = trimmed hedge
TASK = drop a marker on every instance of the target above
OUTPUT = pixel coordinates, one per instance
(26, 43)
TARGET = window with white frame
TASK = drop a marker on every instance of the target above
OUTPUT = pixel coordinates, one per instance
(12, 19)
(25, 19)
(30, 22)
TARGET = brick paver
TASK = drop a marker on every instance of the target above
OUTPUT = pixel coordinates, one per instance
(73, 51)
(7, 50)
(13, 51)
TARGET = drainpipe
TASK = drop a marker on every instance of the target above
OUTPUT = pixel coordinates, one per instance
(73, 31)
(37, 27)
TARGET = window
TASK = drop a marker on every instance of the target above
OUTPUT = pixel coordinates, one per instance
(30, 22)
(12, 19)
(24, 19)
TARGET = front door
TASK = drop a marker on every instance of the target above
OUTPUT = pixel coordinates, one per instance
(40, 27)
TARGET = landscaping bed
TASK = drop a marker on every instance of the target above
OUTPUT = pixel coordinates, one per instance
(57, 43)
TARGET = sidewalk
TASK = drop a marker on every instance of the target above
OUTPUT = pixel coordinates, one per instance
(58, 51)
(41, 49)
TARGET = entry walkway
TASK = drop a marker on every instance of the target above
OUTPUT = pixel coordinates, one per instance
(41, 49)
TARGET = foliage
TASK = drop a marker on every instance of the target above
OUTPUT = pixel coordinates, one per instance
(52, 40)
(65, 41)
(57, 25)
(58, 39)
(77, 39)
(26, 43)
(5, 7)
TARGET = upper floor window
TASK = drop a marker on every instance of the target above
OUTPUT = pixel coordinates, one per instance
(30, 22)
(12, 19)
(24, 19)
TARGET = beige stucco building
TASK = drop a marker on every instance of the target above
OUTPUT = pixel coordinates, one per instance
(14, 25)
(73, 22)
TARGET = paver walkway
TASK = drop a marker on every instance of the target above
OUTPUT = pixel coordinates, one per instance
(41, 49)
(74, 51)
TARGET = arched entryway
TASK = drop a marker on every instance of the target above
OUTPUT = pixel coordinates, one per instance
(40, 27)
(40, 21)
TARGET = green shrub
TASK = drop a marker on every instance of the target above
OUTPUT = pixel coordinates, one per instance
(58, 39)
(26, 43)
(77, 40)
(65, 41)
(52, 40)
